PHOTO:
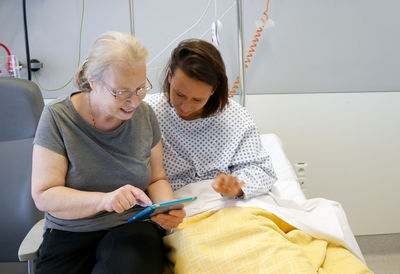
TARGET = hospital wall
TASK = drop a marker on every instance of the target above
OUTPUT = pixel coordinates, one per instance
(339, 118)
(350, 142)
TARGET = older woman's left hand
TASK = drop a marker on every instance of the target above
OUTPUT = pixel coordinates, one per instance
(170, 220)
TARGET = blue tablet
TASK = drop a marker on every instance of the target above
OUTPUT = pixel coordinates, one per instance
(155, 209)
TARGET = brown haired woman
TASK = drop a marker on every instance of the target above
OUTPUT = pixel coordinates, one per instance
(205, 134)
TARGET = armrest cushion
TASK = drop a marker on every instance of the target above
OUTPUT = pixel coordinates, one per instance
(29, 248)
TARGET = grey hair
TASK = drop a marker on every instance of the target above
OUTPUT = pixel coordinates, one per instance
(110, 48)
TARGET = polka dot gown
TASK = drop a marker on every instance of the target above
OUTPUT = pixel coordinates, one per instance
(201, 149)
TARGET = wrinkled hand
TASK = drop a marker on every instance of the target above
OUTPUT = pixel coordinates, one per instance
(228, 185)
(171, 219)
(124, 198)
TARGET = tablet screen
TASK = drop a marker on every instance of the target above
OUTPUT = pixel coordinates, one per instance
(161, 208)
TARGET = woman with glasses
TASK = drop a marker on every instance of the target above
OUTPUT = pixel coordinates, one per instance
(97, 160)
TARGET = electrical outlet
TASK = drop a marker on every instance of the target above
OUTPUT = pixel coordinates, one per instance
(302, 181)
(300, 169)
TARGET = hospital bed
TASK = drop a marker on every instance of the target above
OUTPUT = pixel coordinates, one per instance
(222, 235)
(321, 219)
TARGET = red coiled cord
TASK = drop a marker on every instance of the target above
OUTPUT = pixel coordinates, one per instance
(9, 61)
(254, 42)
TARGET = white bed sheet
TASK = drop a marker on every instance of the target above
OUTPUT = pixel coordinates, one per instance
(320, 218)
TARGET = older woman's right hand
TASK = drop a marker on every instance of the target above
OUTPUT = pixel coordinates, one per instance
(124, 198)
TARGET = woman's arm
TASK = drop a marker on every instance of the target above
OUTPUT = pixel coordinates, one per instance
(160, 190)
(251, 171)
(51, 195)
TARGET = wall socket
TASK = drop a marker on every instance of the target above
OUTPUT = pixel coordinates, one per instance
(301, 172)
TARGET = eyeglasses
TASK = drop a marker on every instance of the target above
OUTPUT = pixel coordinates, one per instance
(125, 94)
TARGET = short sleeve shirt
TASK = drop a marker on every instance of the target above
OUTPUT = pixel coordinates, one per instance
(98, 161)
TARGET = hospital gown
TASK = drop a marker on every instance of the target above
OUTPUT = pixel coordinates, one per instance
(200, 149)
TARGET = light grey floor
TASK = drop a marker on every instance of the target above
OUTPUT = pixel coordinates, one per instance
(381, 252)
(13, 268)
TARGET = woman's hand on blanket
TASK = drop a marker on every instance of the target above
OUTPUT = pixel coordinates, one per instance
(228, 185)
(170, 220)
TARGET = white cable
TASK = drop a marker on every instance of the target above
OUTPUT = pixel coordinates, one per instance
(222, 16)
(233, 4)
(215, 11)
(183, 33)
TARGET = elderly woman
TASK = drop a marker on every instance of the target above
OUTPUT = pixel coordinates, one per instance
(97, 160)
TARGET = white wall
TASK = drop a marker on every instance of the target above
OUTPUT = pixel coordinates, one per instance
(351, 142)
(53, 28)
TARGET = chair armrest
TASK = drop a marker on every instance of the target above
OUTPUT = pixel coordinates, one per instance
(29, 248)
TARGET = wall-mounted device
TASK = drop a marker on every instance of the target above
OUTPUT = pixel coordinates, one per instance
(216, 28)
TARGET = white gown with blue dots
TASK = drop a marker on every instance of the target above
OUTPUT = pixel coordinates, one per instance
(200, 149)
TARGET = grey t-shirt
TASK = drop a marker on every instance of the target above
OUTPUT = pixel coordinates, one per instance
(98, 161)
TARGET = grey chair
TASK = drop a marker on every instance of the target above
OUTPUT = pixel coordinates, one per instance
(21, 104)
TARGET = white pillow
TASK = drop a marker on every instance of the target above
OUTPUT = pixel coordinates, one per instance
(287, 186)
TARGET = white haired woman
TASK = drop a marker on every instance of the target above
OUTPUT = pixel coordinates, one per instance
(97, 160)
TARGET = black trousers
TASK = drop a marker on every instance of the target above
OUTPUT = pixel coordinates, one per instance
(130, 248)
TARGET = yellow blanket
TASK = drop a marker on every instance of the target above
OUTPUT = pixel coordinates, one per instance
(252, 240)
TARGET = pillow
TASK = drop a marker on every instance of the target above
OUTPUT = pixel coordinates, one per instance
(287, 186)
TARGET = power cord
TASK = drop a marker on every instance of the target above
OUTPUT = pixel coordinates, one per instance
(262, 24)
(79, 56)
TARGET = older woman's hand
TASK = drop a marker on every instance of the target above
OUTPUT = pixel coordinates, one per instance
(228, 185)
(170, 220)
(124, 198)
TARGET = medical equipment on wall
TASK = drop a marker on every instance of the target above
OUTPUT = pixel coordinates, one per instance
(34, 64)
(263, 23)
(216, 28)
(9, 65)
